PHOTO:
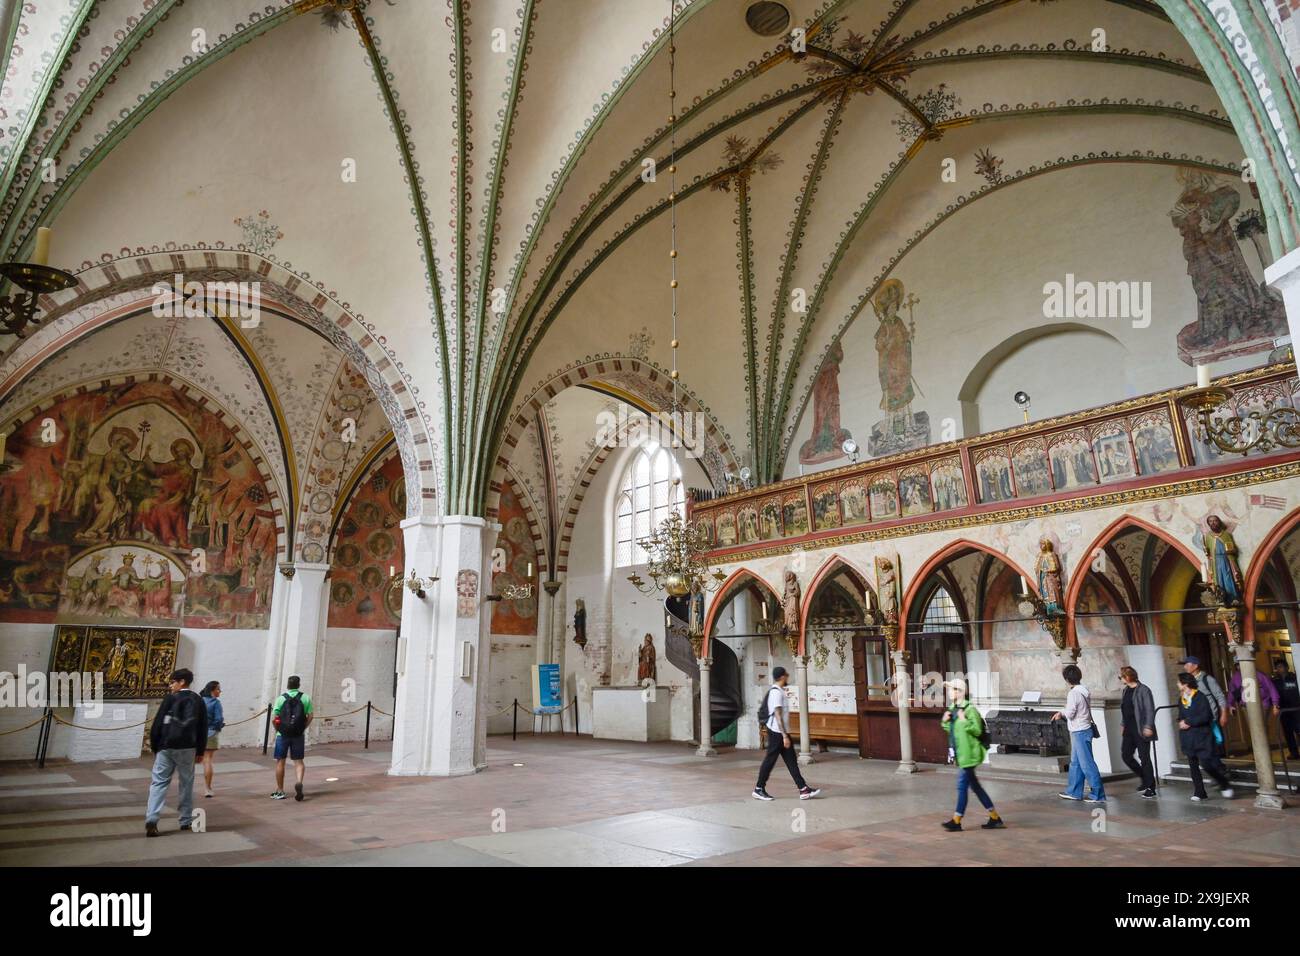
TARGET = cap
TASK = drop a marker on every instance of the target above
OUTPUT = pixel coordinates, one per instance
(956, 684)
(1191, 660)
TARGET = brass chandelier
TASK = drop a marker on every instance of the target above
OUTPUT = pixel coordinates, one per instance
(676, 562)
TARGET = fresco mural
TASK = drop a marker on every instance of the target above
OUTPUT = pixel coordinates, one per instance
(901, 429)
(1235, 314)
(134, 503)
(827, 437)
(518, 616)
(368, 545)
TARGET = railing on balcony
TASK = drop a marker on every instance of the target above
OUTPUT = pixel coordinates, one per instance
(1141, 443)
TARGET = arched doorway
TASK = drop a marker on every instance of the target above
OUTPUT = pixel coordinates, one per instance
(741, 637)
(1273, 609)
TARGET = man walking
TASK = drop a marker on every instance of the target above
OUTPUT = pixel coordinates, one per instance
(772, 714)
(1138, 729)
(178, 737)
(1289, 694)
(293, 716)
(1212, 692)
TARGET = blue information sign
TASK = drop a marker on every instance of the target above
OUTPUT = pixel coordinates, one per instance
(546, 689)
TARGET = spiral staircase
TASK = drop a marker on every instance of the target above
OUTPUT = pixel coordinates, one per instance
(726, 703)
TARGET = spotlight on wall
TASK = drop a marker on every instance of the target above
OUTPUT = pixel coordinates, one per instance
(1022, 399)
(850, 448)
(745, 475)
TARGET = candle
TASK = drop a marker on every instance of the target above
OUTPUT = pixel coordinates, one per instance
(41, 255)
(530, 569)
(1024, 585)
(1202, 376)
(3, 438)
(391, 571)
(765, 610)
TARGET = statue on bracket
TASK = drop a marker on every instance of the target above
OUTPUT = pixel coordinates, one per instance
(645, 666)
(695, 615)
(580, 623)
(1048, 570)
(888, 591)
(790, 609)
(1223, 573)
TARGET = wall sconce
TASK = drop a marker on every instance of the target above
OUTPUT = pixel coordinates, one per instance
(415, 584)
(516, 592)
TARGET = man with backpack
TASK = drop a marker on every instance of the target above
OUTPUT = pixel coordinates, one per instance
(771, 714)
(178, 738)
(293, 716)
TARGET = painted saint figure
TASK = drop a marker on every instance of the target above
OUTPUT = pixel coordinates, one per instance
(790, 607)
(115, 666)
(165, 514)
(645, 667)
(1049, 577)
(1221, 562)
(894, 347)
(827, 435)
(125, 598)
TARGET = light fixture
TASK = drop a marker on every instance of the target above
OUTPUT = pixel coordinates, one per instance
(35, 279)
(676, 562)
(850, 448)
(1233, 432)
(745, 474)
(415, 584)
(1022, 399)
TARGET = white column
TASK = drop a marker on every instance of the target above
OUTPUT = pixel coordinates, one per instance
(903, 690)
(747, 731)
(440, 728)
(706, 712)
(1284, 275)
(1266, 797)
(805, 735)
(304, 627)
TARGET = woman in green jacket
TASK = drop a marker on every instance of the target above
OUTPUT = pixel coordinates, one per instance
(965, 726)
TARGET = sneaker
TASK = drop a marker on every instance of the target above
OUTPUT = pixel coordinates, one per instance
(807, 793)
(278, 795)
(151, 829)
(1066, 796)
(998, 824)
(1094, 799)
(187, 828)
(297, 792)
(951, 825)
(1196, 799)
(1227, 793)
(1149, 793)
(761, 795)
(209, 794)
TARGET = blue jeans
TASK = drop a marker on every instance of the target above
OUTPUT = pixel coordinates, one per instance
(966, 780)
(1082, 765)
(165, 763)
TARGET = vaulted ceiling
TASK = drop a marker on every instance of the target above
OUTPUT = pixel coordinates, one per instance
(470, 180)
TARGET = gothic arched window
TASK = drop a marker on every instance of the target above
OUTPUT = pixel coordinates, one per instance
(646, 497)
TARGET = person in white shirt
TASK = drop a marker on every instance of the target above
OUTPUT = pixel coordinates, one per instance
(778, 740)
(1078, 717)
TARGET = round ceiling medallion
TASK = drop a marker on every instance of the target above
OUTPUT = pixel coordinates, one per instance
(767, 18)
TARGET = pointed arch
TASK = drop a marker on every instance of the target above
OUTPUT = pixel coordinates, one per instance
(1259, 561)
(956, 549)
(740, 580)
(829, 569)
(1099, 544)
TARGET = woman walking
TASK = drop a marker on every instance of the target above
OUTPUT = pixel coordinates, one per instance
(1196, 736)
(211, 695)
(965, 729)
(1078, 717)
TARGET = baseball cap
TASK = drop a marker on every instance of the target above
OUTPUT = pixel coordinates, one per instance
(1191, 660)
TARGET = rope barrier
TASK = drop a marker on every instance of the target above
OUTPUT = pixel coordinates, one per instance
(378, 711)
(257, 716)
(68, 723)
(20, 729)
(348, 714)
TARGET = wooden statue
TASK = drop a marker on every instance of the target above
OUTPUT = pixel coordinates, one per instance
(1048, 568)
(645, 668)
(1223, 573)
(580, 624)
(887, 589)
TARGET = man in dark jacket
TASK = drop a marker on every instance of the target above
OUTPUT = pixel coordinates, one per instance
(1289, 692)
(178, 737)
(1138, 729)
(1195, 723)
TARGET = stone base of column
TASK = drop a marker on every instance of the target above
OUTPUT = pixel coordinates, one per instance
(806, 759)
(705, 750)
(1270, 801)
(424, 773)
(906, 766)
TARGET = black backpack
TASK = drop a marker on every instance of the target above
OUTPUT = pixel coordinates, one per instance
(293, 716)
(181, 721)
(763, 712)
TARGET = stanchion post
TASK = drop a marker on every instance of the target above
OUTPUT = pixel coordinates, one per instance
(43, 738)
(514, 720)
(266, 733)
(575, 716)
(367, 746)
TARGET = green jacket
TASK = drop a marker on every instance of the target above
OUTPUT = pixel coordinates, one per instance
(964, 733)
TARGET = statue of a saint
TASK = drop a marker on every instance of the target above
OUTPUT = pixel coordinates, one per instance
(887, 589)
(1049, 577)
(790, 606)
(1223, 572)
(580, 624)
(645, 666)
(695, 615)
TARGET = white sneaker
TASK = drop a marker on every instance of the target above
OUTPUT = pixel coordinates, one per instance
(1227, 794)
(1196, 799)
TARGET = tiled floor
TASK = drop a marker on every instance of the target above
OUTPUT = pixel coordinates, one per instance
(552, 800)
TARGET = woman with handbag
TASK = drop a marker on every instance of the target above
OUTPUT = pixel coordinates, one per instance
(1078, 717)
(1196, 725)
(966, 736)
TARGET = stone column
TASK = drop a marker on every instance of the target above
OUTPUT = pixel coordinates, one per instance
(1284, 275)
(440, 728)
(706, 711)
(903, 691)
(747, 732)
(1267, 797)
(805, 736)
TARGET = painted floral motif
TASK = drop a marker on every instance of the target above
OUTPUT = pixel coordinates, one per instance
(260, 234)
(935, 105)
(989, 166)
